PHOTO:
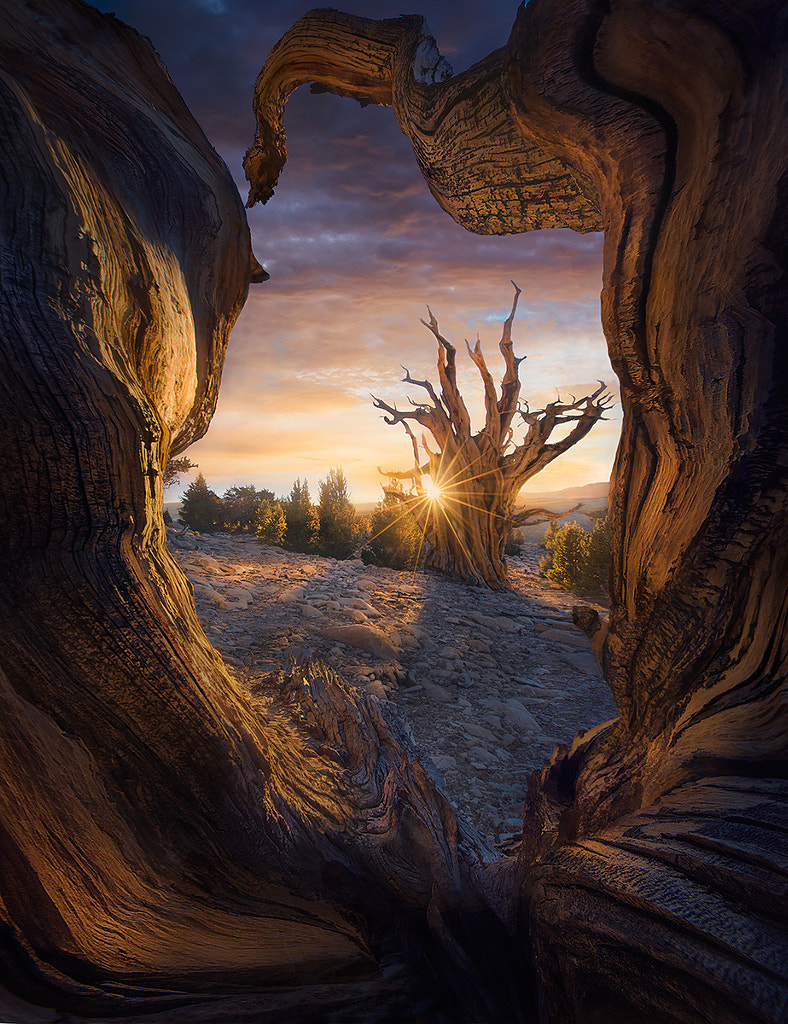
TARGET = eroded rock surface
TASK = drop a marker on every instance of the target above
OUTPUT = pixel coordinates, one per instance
(488, 681)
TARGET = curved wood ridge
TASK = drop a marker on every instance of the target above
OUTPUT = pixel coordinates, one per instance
(664, 830)
(169, 840)
(175, 846)
(482, 169)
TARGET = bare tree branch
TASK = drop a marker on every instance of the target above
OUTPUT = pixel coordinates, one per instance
(522, 517)
(480, 475)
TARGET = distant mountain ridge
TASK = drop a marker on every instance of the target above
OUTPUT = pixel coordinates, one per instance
(587, 493)
(583, 492)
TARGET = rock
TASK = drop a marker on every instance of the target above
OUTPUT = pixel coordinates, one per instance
(565, 636)
(437, 693)
(585, 663)
(479, 732)
(519, 717)
(483, 756)
(181, 541)
(376, 688)
(366, 638)
(308, 611)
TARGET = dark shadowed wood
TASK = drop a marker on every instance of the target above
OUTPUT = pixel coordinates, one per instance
(170, 843)
(175, 847)
(651, 847)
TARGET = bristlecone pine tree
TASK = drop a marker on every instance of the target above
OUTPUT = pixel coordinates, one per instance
(466, 510)
(178, 844)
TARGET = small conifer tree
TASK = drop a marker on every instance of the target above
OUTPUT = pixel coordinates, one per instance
(338, 529)
(201, 508)
(303, 519)
(271, 523)
(576, 559)
(396, 539)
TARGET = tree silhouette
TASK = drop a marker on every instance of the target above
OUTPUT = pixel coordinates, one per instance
(174, 468)
(201, 508)
(303, 520)
(337, 515)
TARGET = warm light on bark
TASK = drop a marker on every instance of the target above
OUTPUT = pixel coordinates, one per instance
(478, 475)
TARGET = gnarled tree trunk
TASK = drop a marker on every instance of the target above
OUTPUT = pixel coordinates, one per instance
(169, 839)
(654, 877)
(171, 845)
(467, 514)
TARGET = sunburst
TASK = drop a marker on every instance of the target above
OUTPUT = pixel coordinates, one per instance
(433, 491)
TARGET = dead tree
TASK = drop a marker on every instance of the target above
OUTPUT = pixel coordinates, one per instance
(177, 848)
(172, 846)
(467, 512)
(653, 851)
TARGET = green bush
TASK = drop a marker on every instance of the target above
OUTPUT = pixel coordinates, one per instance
(513, 542)
(578, 560)
(271, 523)
(240, 505)
(598, 565)
(303, 518)
(338, 532)
(201, 508)
(396, 538)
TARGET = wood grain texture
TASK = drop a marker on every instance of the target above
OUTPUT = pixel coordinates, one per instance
(482, 169)
(174, 846)
(171, 844)
(667, 119)
(479, 474)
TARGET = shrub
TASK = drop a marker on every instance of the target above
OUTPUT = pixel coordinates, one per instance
(578, 560)
(513, 542)
(598, 564)
(240, 505)
(396, 538)
(303, 519)
(201, 508)
(338, 527)
(271, 522)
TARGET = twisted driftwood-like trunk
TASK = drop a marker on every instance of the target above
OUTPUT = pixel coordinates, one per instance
(653, 862)
(172, 846)
(476, 477)
(176, 848)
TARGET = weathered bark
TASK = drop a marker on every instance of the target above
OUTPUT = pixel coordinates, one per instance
(654, 878)
(169, 839)
(467, 513)
(171, 845)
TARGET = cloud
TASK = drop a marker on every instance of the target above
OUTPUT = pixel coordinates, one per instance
(301, 367)
(357, 247)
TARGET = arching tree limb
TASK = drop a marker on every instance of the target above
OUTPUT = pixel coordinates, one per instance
(665, 118)
(518, 185)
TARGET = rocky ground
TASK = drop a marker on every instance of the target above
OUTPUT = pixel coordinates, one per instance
(488, 681)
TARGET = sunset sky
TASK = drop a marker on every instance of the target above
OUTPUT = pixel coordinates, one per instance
(356, 247)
